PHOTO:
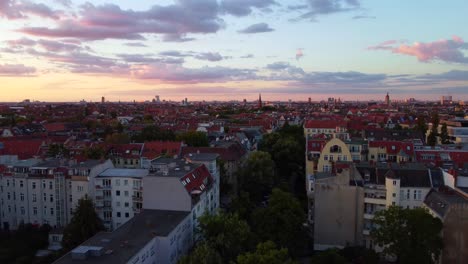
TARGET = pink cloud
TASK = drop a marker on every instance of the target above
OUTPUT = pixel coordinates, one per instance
(448, 50)
(111, 22)
(16, 70)
(20, 9)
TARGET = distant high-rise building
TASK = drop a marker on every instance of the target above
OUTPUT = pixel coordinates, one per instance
(103, 99)
(310, 100)
(445, 100)
(157, 99)
(387, 99)
(260, 100)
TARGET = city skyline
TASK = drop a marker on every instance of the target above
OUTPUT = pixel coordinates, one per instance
(62, 50)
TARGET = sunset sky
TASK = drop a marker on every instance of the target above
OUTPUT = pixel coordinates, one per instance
(68, 50)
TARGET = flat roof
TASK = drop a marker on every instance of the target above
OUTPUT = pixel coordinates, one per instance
(202, 156)
(130, 173)
(123, 243)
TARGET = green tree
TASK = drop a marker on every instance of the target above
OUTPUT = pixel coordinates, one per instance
(202, 253)
(227, 234)
(266, 253)
(421, 125)
(95, 152)
(330, 256)
(432, 139)
(359, 255)
(84, 224)
(444, 137)
(118, 138)
(282, 222)
(150, 133)
(194, 138)
(257, 176)
(412, 235)
(57, 150)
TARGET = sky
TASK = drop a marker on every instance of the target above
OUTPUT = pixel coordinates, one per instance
(71, 50)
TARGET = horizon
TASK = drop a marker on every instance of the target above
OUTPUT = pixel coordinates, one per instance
(356, 50)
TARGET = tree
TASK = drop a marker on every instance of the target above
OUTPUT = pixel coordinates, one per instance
(421, 125)
(227, 234)
(203, 253)
(95, 152)
(444, 137)
(57, 150)
(266, 253)
(118, 138)
(150, 133)
(432, 139)
(257, 175)
(194, 138)
(281, 222)
(330, 256)
(411, 235)
(359, 255)
(84, 224)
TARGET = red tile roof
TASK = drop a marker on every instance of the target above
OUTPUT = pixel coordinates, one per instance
(23, 148)
(154, 149)
(200, 178)
(332, 124)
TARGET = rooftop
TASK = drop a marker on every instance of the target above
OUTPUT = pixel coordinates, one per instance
(202, 156)
(440, 201)
(123, 243)
(130, 173)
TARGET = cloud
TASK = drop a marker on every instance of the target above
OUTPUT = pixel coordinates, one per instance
(241, 8)
(247, 56)
(209, 56)
(280, 65)
(21, 9)
(65, 3)
(299, 54)
(109, 21)
(364, 17)
(16, 70)
(256, 28)
(135, 44)
(148, 58)
(180, 74)
(447, 50)
(326, 7)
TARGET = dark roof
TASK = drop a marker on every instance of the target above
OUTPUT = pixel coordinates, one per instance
(410, 177)
(123, 243)
(440, 201)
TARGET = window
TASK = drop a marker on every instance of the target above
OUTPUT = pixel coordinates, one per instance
(51, 185)
(22, 196)
(127, 215)
(43, 184)
(117, 204)
(394, 194)
(118, 214)
(325, 157)
(8, 196)
(407, 194)
(34, 197)
(127, 204)
(394, 183)
(414, 194)
(117, 182)
(23, 212)
(45, 197)
(125, 182)
(188, 180)
(71, 198)
(79, 188)
(393, 147)
(34, 210)
(393, 203)
(51, 198)
(117, 193)
(21, 184)
(33, 185)
(51, 211)
(126, 193)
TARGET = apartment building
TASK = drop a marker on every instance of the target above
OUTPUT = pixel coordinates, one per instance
(45, 191)
(153, 236)
(329, 128)
(177, 184)
(346, 198)
(119, 195)
(391, 151)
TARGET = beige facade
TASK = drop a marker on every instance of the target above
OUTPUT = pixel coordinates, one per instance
(335, 150)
